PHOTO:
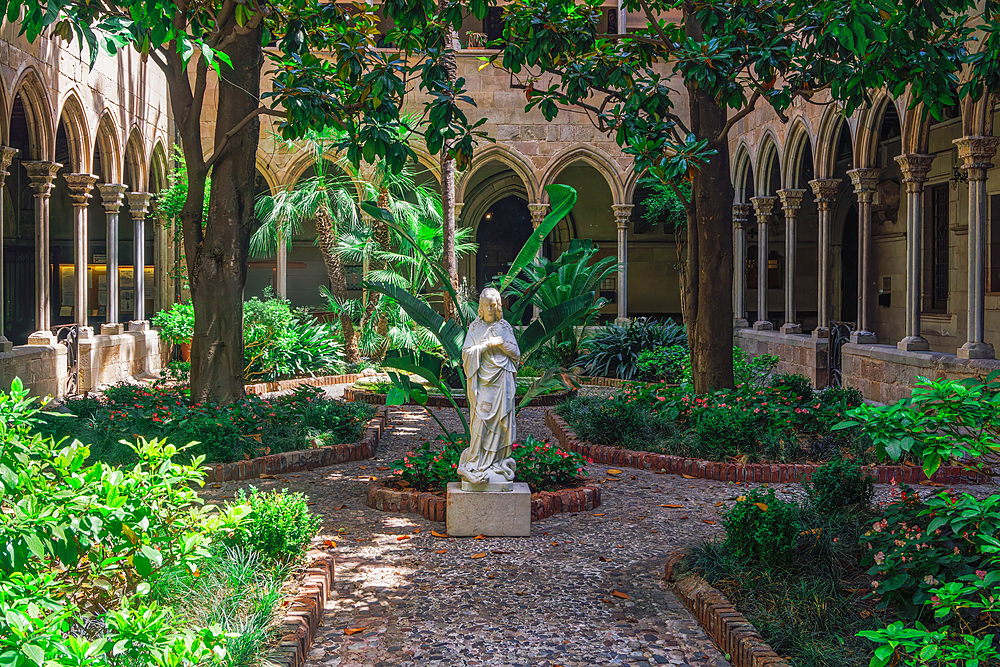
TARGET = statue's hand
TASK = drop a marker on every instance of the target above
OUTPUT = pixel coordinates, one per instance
(494, 342)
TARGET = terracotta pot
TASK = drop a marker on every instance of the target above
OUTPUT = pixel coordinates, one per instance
(185, 351)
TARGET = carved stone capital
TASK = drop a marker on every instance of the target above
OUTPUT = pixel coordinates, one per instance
(622, 213)
(42, 174)
(741, 215)
(538, 213)
(791, 199)
(825, 190)
(112, 195)
(763, 206)
(80, 186)
(138, 203)
(977, 153)
(914, 167)
(6, 155)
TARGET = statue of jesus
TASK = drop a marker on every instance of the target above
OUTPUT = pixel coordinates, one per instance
(490, 357)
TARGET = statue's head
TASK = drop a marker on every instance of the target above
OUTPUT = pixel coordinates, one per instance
(490, 305)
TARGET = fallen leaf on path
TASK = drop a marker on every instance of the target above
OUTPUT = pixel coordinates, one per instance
(672, 505)
(268, 477)
(928, 482)
(709, 522)
(613, 471)
(597, 514)
(619, 594)
(329, 543)
(402, 537)
(479, 537)
(416, 531)
(555, 544)
(341, 507)
(441, 551)
(603, 559)
(719, 504)
(481, 554)
(362, 467)
(607, 600)
(437, 534)
(499, 552)
(689, 477)
(354, 631)
(381, 468)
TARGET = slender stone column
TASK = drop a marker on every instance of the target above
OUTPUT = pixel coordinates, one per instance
(791, 202)
(138, 203)
(112, 196)
(914, 168)
(825, 190)
(977, 152)
(42, 174)
(6, 155)
(622, 214)
(865, 182)
(80, 186)
(538, 213)
(281, 280)
(741, 217)
(763, 206)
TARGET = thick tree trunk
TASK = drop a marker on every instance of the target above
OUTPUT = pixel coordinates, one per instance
(709, 274)
(338, 280)
(217, 265)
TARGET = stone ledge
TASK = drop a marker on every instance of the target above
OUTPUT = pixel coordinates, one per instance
(317, 381)
(434, 507)
(732, 472)
(435, 401)
(728, 628)
(304, 459)
(303, 612)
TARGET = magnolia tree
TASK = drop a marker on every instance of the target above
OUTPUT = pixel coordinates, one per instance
(354, 89)
(718, 60)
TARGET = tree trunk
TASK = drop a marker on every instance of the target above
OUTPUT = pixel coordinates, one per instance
(217, 258)
(338, 280)
(450, 260)
(709, 275)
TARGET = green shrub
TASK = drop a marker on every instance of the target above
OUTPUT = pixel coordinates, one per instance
(280, 342)
(841, 483)
(666, 364)
(176, 324)
(724, 432)
(613, 351)
(760, 528)
(796, 387)
(279, 525)
(752, 371)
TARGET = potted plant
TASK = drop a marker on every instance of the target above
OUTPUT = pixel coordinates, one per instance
(176, 326)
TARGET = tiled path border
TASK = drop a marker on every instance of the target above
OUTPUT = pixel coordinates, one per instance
(434, 507)
(304, 459)
(434, 401)
(318, 381)
(732, 472)
(728, 628)
(303, 612)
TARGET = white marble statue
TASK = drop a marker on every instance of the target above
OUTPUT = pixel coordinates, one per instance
(490, 357)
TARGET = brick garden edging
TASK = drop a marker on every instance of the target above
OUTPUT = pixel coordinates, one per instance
(728, 628)
(733, 472)
(317, 381)
(303, 613)
(435, 401)
(303, 459)
(434, 507)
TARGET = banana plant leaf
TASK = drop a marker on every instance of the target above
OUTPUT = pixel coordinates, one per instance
(562, 198)
(552, 377)
(552, 321)
(421, 364)
(404, 390)
(449, 333)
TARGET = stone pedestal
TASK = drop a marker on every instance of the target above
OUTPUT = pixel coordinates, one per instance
(863, 338)
(490, 513)
(138, 325)
(114, 329)
(41, 337)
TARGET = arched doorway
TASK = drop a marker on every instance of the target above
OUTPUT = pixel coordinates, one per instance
(502, 232)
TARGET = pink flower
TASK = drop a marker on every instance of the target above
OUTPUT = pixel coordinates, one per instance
(981, 574)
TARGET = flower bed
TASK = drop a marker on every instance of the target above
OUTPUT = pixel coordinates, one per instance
(726, 471)
(243, 430)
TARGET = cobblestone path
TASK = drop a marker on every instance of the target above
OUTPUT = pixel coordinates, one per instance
(541, 601)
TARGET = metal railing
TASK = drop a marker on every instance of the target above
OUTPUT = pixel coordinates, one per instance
(840, 335)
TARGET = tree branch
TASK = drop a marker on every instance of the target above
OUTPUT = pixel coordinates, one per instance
(738, 116)
(652, 19)
(259, 111)
(637, 38)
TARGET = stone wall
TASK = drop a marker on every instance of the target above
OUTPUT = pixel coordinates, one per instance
(42, 369)
(885, 374)
(797, 353)
(118, 357)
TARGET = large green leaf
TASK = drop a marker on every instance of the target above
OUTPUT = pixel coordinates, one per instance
(552, 321)
(448, 332)
(421, 364)
(562, 198)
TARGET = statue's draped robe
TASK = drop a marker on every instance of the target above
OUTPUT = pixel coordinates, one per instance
(492, 387)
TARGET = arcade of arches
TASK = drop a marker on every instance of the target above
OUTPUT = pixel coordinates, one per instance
(853, 233)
